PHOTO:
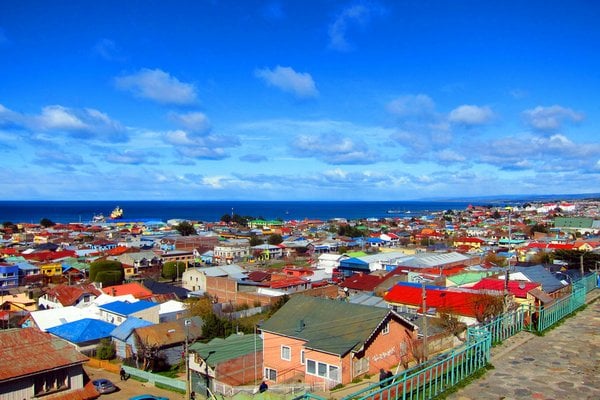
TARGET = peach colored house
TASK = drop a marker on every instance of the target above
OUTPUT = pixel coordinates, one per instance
(316, 340)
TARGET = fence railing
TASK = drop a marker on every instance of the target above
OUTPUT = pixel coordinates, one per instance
(155, 378)
(432, 378)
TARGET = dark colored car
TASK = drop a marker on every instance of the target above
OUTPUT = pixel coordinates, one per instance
(104, 386)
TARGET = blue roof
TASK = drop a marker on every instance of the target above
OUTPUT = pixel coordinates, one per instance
(84, 330)
(126, 308)
(123, 331)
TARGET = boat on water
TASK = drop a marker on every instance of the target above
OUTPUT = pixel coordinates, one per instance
(117, 213)
(395, 211)
(98, 218)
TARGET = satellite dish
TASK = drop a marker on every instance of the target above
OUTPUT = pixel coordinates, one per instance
(521, 285)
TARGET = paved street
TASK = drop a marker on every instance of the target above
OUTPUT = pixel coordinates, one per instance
(563, 364)
(130, 388)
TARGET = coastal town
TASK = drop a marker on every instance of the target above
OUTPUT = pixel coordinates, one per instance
(247, 306)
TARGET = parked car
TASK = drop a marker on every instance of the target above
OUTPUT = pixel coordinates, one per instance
(147, 397)
(104, 386)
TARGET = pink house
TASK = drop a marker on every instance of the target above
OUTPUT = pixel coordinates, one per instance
(316, 340)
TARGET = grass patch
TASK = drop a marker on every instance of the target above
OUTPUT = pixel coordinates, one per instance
(137, 378)
(476, 375)
(167, 387)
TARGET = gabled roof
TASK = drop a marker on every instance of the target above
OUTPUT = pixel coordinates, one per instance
(165, 288)
(123, 331)
(68, 295)
(84, 330)
(363, 282)
(170, 333)
(28, 351)
(330, 326)
(537, 273)
(230, 348)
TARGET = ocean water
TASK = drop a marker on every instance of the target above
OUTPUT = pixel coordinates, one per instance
(210, 211)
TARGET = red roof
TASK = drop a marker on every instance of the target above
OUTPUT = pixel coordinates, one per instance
(48, 255)
(452, 301)
(518, 288)
(68, 295)
(287, 282)
(363, 282)
(138, 291)
(28, 351)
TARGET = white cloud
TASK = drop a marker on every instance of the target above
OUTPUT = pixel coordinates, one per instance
(550, 118)
(107, 49)
(157, 85)
(333, 149)
(58, 117)
(471, 115)
(354, 15)
(196, 121)
(300, 84)
(209, 147)
(411, 105)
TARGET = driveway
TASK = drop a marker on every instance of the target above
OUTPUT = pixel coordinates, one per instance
(130, 387)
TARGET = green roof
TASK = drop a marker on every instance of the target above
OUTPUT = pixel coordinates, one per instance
(332, 326)
(573, 222)
(355, 254)
(468, 277)
(231, 347)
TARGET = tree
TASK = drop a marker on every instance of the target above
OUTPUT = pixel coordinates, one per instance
(46, 223)
(226, 218)
(255, 240)
(185, 228)
(99, 266)
(201, 307)
(495, 259)
(173, 270)
(105, 350)
(275, 239)
(278, 304)
(487, 306)
(110, 278)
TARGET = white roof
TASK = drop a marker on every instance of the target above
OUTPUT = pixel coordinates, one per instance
(171, 306)
(46, 319)
(331, 257)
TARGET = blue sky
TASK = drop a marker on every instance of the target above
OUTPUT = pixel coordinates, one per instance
(298, 100)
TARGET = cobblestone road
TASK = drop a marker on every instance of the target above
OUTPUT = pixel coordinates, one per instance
(562, 364)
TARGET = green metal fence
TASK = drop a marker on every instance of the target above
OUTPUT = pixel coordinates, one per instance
(435, 376)
(430, 379)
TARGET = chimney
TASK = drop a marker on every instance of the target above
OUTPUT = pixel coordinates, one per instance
(301, 326)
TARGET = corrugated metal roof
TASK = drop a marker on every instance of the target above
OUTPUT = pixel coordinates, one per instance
(331, 326)
(27, 351)
(123, 331)
(169, 333)
(231, 347)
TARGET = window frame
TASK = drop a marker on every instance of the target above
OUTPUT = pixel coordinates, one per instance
(288, 351)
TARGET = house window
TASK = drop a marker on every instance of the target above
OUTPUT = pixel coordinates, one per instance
(286, 353)
(386, 328)
(302, 357)
(323, 370)
(271, 374)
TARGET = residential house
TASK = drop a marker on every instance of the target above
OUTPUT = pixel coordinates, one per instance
(165, 290)
(172, 310)
(122, 336)
(538, 273)
(9, 277)
(37, 365)
(330, 261)
(167, 339)
(194, 279)
(233, 361)
(521, 291)
(64, 296)
(315, 340)
(46, 319)
(84, 334)
(28, 273)
(118, 311)
(231, 251)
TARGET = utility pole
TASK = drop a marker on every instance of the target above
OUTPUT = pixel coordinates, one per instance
(187, 324)
(581, 265)
(424, 298)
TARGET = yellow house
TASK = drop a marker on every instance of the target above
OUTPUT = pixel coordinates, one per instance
(51, 269)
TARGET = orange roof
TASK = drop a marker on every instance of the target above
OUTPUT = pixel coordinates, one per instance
(117, 251)
(135, 289)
